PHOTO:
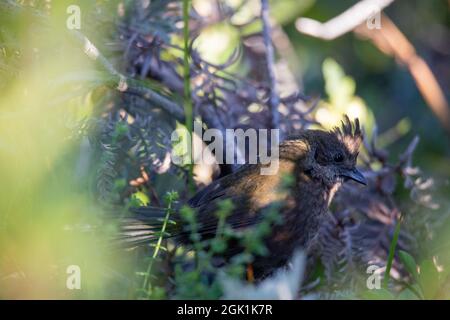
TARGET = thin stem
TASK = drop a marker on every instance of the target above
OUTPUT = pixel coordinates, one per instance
(188, 112)
(392, 252)
(274, 100)
(157, 248)
(186, 67)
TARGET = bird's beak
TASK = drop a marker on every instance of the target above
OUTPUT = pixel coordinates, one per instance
(355, 175)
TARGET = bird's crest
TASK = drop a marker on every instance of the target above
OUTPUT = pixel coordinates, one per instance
(350, 134)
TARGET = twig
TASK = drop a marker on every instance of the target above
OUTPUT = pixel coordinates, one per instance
(187, 87)
(285, 49)
(343, 23)
(274, 100)
(391, 41)
(186, 67)
(146, 286)
(392, 248)
(127, 85)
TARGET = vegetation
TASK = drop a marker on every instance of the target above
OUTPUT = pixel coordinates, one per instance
(87, 114)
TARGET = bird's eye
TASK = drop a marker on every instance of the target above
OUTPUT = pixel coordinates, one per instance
(338, 157)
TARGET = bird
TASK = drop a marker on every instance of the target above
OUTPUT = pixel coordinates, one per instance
(318, 163)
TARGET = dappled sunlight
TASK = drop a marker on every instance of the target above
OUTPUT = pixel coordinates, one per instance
(99, 200)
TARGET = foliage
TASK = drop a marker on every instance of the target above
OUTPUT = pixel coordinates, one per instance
(83, 140)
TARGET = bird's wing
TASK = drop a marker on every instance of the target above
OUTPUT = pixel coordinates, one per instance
(214, 190)
(220, 188)
(248, 191)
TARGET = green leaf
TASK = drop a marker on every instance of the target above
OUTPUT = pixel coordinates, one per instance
(378, 294)
(409, 263)
(120, 130)
(158, 293)
(140, 198)
(429, 279)
(407, 294)
(181, 146)
(286, 11)
(340, 88)
(218, 246)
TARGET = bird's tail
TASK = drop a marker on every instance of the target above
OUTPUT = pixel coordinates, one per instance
(144, 227)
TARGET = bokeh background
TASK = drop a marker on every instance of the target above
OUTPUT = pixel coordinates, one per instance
(51, 215)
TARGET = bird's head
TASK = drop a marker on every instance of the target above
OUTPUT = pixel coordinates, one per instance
(330, 156)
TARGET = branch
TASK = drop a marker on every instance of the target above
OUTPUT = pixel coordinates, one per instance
(391, 41)
(274, 100)
(125, 84)
(186, 68)
(343, 23)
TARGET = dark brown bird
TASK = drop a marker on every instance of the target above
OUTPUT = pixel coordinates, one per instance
(319, 161)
